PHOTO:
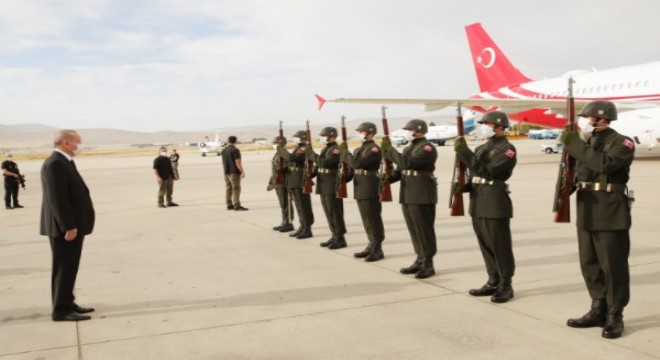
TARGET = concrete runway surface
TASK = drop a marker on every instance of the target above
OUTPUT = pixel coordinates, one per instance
(201, 282)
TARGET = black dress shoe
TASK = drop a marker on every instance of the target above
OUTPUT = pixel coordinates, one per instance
(240, 208)
(364, 253)
(18, 206)
(297, 232)
(412, 269)
(285, 228)
(305, 234)
(82, 310)
(172, 204)
(339, 244)
(328, 242)
(374, 256)
(72, 316)
(486, 290)
(230, 207)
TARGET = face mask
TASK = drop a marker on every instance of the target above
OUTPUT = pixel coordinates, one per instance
(274, 146)
(586, 129)
(410, 136)
(323, 140)
(10, 158)
(296, 140)
(163, 153)
(486, 131)
(362, 137)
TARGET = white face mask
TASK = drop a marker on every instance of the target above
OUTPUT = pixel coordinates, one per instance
(486, 131)
(362, 137)
(323, 140)
(296, 140)
(410, 136)
(586, 129)
(275, 146)
(163, 153)
(9, 158)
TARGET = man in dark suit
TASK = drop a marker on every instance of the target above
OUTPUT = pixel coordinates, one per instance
(67, 215)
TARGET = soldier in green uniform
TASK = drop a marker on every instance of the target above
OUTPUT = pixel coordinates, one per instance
(294, 184)
(364, 164)
(490, 166)
(418, 194)
(327, 168)
(279, 167)
(603, 214)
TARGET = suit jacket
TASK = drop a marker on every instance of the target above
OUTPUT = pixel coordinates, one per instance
(66, 202)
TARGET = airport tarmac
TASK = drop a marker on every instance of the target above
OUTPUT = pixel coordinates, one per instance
(201, 282)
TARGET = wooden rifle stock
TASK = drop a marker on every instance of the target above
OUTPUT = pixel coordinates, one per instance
(309, 167)
(562, 204)
(279, 175)
(343, 176)
(458, 177)
(386, 188)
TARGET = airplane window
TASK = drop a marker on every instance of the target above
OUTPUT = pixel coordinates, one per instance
(646, 83)
(598, 88)
(629, 85)
(606, 87)
(637, 84)
(591, 89)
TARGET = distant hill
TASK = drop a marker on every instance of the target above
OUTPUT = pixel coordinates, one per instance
(20, 136)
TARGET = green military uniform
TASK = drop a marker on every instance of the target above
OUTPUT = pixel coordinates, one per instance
(327, 168)
(490, 165)
(280, 171)
(603, 214)
(364, 164)
(303, 202)
(418, 196)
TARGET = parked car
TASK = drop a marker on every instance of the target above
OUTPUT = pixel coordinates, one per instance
(557, 148)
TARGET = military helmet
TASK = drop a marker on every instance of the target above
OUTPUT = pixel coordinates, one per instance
(601, 109)
(302, 134)
(497, 118)
(280, 140)
(368, 127)
(329, 131)
(417, 125)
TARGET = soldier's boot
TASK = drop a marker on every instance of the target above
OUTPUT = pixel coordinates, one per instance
(280, 226)
(339, 243)
(376, 253)
(412, 269)
(595, 317)
(364, 253)
(330, 241)
(297, 232)
(488, 288)
(287, 227)
(426, 270)
(504, 291)
(613, 322)
(306, 233)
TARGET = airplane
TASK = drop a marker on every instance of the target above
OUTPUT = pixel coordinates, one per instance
(207, 146)
(438, 134)
(634, 89)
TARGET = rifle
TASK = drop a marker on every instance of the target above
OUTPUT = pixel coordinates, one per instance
(341, 186)
(458, 177)
(21, 180)
(309, 167)
(279, 175)
(386, 189)
(561, 202)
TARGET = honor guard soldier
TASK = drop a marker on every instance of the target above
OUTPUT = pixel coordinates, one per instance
(327, 168)
(603, 214)
(490, 166)
(12, 177)
(278, 182)
(294, 184)
(364, 165)
(418, 194)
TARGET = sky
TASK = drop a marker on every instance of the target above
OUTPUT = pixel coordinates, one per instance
(153, 65)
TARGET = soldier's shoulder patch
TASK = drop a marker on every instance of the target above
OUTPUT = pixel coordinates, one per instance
(629, 144)
(428, 147)
(375, 149)
(335, 151)
(510, 153)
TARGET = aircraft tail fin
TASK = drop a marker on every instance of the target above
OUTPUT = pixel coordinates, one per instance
(493, 68)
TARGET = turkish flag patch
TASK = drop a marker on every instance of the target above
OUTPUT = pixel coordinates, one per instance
(375, 149)
(335, 151)
(510, 153)
(428, 147)
(629, 144)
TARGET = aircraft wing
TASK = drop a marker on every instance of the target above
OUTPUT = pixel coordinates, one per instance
(552, 106)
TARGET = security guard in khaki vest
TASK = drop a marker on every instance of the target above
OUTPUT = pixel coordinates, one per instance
(603, 214)
(418, 194)
(294, 184)
(490, 165)
(279, 169)
(327, 170)
(364, 164)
